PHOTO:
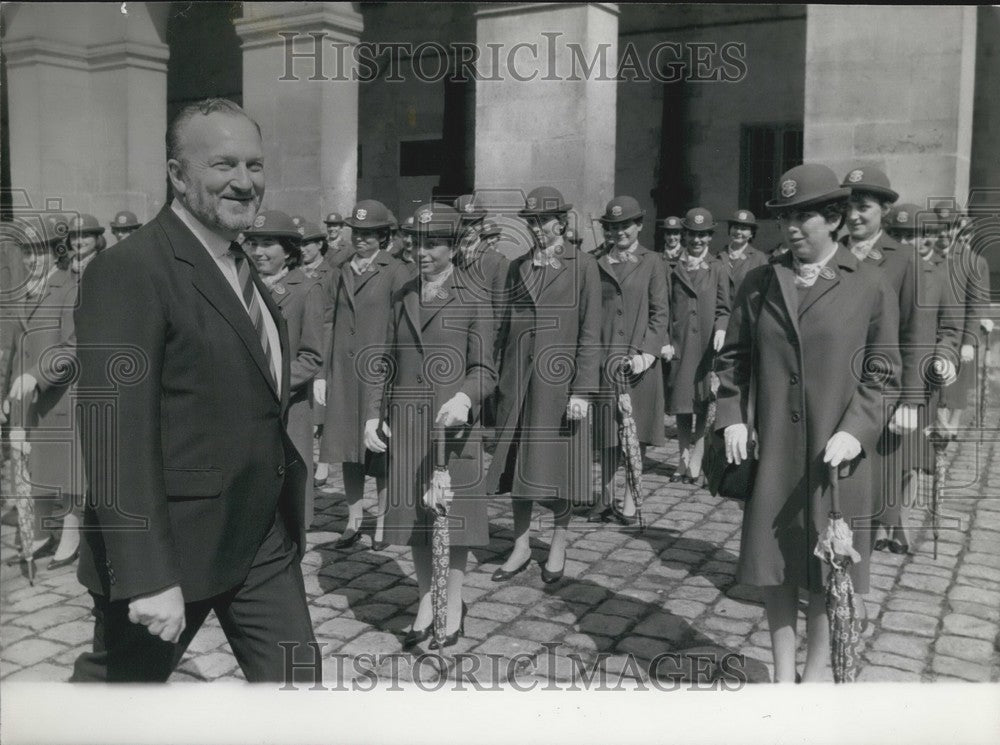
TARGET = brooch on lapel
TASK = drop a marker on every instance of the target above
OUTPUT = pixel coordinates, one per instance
(443, 294)
(827, 273)
(875, 255)
(279, 290)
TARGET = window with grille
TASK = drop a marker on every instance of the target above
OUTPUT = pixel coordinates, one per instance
(766, 152)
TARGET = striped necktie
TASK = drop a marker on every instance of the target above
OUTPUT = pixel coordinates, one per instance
(253, 306)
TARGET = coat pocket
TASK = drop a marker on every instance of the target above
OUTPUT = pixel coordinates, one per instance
(192, 483)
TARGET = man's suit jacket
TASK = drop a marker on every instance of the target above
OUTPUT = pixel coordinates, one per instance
(183, 433)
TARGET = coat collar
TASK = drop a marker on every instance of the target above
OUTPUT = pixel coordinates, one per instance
(420, 313)
(604, 262)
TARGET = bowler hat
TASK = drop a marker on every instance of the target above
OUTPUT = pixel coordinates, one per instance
(370, 214)
(902, 217)
(435, 220)
(805, 185)
(621, 209)
(698, 219)
(489, 228)
(334, 218)
(743, 217)
(466, 207)
(310, 231)
(871, 180)
(669, 223)
(125, 220)
(273, 224)
(86, 224)
(545, 200)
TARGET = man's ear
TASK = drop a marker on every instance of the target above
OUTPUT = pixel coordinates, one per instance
(175, 171)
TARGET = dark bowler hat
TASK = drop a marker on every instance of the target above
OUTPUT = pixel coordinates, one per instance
(948, 211)
(805, 185)
(334, 218)
(273, 224)
(545, 200)
(902, 217)
(435, 220)
(621, 209)
(572, 237)
(743, 217)
(870, 180)
(125, 220)
(489, 228)
(466, 206)
(310, 231)
(370, 214)
(670, 223)
(698, 219)
(83, 223)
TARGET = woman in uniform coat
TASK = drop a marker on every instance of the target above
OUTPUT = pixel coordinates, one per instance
(44, 360)
(550, 359)
(363, 297)
(633, 331)
(673, 247)
(740, 255)
(940, 330)
(440, 343)
(699, 311)
(274, 245)
(815, 333)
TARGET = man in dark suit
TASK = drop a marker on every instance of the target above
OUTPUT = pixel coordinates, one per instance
(195, 487)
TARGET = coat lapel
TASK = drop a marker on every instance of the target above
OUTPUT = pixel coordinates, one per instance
(433, 306)
(681, 272)
(529, 279)
(604, 263)
(411, 308)
(789, 294)
(842, 259)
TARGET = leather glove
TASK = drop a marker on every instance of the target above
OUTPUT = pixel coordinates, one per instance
(719, 339)
(843, 447)
(23, 385)
(639, 363)
(454, 411)
(577, 408)
(945, 371)
(987, 325)
(319, 391)
(904, 419)
(667, 353)
(968, 353)
(737, 436)
(372, 440)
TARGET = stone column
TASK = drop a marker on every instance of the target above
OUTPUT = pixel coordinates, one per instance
(88, 95)
(540, 118)
(298, 83)
(893, 87)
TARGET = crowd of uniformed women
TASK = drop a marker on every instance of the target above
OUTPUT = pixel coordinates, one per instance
(841, 348)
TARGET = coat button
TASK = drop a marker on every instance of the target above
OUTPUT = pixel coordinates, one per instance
(352, 332)
(795, 416)
(350, 354)
(619, 311)
(420, 378)
(281, 470)
(621, 333)
(794, 380)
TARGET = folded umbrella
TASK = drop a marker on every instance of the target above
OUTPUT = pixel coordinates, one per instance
(628, 439)
(984, 387)
(836, 549)
(438, 498)
(20, 449)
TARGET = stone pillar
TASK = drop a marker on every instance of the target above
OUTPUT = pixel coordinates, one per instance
(893, 87)
(87, 86)
(298, 83)
(540, 119)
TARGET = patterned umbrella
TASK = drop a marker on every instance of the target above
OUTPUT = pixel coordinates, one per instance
(438, 498)
(20, 448)
(628, 438)
(836, 548)
(984, 387)
(940, 442)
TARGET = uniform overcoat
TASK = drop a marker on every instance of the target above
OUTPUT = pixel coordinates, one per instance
(302, 301)
(326, 275)
(485, 274)
(44, 346)
(970, 274)
(634, 317)
(737, 269)
(826, 360)
(438, 347)
(551, 350)
(699, 305)
(361, 315)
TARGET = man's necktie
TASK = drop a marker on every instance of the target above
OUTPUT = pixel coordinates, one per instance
(253, 306)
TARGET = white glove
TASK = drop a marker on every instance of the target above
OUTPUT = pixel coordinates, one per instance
(736, 436)
(904, 420)
(23, 385)
(454, 411)
(945, 370)
(641, 362)
(372, 440)
(719, 339)
(319, 391)
(841, 448)
(667, 353)
(968, 353)
(713, 383)
(577, 408)
(987, 325)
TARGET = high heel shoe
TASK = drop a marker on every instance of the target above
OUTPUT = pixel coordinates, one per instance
(899, 547)
(549, 577)
(675, 477)
(414, 636)
(60, 563)
(348, 539)
(881, 544)
(601, 517)
(502, 575)
(451, 639)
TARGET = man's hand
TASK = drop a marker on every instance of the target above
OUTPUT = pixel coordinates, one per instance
(372, 440)
(162, 613)
(23, 386)
(319, 391)
(968, 353)
(904, 419)
(577, 408)
(841, 448)
(454, 411)
(639, 363)
(667, 353)
(719, 339)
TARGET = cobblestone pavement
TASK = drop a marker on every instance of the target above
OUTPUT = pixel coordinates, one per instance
(670, 588)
